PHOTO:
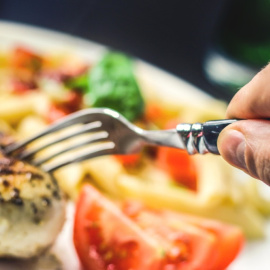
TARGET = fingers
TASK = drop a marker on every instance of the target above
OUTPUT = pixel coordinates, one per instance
(246, 145)
(253, 100)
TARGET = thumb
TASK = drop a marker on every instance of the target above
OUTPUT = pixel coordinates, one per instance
(245, 144)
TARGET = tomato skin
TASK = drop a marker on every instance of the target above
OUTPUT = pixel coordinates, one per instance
(82, 228)
(23, 58)
(105, 238)
(109, 237)
(56, 112)
(73, 100)
(20, 87)
(230, 239)
(158, 115)
(215, 244)
(188, 246)
(179, 165)
(70, 103)
(153, 112)
(230, 242)
(128, 160)
(25, 66)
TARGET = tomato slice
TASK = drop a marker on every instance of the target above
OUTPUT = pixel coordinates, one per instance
(178, 163)
(129, 160)
(25, 66)
(73, 100)
(159, 115)
(21, 87)
(56, 112)
(187, 246)
(70, 103)
(23, 58)
(131, 236)
(106, 239)
(230, 239)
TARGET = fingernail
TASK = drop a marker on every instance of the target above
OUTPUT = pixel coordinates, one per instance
(234, 145)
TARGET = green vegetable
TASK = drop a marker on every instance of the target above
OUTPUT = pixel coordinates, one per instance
(79, 82)
(112, 84)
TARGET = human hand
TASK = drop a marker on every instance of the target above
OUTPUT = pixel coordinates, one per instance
(246, 144)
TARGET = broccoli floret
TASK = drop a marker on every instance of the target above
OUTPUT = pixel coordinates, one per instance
(112, 84)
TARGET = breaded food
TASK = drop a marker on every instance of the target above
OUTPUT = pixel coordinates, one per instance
(32, 209)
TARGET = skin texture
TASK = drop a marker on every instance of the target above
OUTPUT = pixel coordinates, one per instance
(246, 143)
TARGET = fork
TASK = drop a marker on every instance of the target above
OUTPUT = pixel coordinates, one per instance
(110, 134)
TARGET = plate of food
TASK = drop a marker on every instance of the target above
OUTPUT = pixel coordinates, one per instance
(160, 209)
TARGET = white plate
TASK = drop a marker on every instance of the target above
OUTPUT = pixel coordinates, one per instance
(255, 255)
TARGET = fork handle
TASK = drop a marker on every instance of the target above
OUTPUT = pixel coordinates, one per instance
(211, 131)
(202, 137)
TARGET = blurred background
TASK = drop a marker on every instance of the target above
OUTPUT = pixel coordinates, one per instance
(185, 38)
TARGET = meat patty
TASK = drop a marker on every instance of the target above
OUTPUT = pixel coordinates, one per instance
(32, 209)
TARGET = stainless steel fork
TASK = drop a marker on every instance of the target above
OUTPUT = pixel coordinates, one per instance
(110, 133)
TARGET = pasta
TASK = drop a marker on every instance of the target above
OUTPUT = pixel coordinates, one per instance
(219, 195)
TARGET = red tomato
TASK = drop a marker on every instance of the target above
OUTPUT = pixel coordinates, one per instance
(158, 115)
(73, 100)
(25, 67)
(106, 239)
(128, 160)
(178, 163)
(21, 87)
(71, 103)
(230, 239)
(187, 246)
(135, 237)
(23, 58)
(56, 111)
(153, 112)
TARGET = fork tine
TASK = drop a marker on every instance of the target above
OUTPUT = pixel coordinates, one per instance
(98, 137)
(90, 127)
(83, 116)
(100, 150)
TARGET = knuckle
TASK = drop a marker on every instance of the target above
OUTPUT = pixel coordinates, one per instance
(258, 165)
(264, 170)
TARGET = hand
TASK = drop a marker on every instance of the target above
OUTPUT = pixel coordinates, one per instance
(246, 144)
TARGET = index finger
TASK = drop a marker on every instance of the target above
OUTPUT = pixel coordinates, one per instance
(253, 100)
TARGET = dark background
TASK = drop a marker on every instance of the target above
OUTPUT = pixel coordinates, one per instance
(172, 34)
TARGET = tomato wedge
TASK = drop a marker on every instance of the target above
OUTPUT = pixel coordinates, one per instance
(55, 113)
(178, 163)
(129, 160)
(159, 115)
(186, 246)
(70, 103)
(131, 236)
(230, 238)
(106, 239)
(23, 58)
